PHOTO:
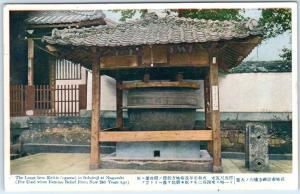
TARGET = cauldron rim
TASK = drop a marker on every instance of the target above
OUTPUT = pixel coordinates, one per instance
(161, 84)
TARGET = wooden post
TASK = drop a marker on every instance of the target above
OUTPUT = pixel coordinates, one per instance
(52, 68)
(29, 100)
(82, 96)
(119, 101)
(215, 112)
(95, 122)
(207, 111)
(30, 68)
(52, 75)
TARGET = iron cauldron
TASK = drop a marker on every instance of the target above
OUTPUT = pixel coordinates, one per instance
(162, 108)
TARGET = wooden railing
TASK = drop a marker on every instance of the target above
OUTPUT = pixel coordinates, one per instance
(47, 100)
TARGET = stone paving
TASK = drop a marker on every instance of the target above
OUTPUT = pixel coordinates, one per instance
(77, 163)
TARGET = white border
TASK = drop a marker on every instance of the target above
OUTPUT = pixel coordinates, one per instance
(292, 179)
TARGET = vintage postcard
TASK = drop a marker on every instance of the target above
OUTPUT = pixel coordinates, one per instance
(151, 96)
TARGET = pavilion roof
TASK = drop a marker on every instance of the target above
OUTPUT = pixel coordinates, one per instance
(154, 30)
(235, 39)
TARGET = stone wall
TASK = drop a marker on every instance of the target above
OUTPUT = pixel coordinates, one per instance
(232, 129)
(280, 136)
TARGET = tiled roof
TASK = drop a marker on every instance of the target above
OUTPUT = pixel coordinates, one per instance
(63, 16)
(155, 30)
(262, 66)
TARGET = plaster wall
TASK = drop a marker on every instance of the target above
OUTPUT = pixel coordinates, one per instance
(256, 92)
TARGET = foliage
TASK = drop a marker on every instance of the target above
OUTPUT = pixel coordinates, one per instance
(212, 14)
(129, 13)
(286, 55)
(275, 21)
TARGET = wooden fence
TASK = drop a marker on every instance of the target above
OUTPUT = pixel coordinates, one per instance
(47, 100)
(17, 100)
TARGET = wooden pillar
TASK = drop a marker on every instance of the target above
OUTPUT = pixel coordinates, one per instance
(82, 97)
(95, 122)
(30, 68)
(207, 111)
(52, 81)
(119, 104)
(52, 68)
(215, 112)
(29, 100)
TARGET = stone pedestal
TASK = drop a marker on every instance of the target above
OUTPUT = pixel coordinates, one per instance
(256, 147)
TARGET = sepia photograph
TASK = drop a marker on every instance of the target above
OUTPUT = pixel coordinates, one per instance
(184, 96)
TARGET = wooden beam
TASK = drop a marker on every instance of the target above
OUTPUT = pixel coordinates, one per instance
(155, 65)
(215, 110)
(160, 84)
(30, 72)
(150, 136)
(110, 129)
(46, 50)
(119, 61)
(51, 48)
(119, 104)
(250, 40)
(95, 122)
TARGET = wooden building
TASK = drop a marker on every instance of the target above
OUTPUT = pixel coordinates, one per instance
(41, 94)
(169, 48)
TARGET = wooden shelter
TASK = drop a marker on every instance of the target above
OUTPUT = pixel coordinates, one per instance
(154, 48)
(41, 23)
(34, 98)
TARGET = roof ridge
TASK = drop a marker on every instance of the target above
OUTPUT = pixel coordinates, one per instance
(152, 29)
(62, 16)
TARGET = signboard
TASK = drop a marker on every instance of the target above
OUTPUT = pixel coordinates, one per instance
(215, 97)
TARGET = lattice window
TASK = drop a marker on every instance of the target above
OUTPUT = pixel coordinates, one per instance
(67, 70)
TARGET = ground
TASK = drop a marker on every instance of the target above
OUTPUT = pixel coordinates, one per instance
(78, 163)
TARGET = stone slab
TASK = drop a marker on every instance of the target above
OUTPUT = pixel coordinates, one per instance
(162, 150)
(194, 165)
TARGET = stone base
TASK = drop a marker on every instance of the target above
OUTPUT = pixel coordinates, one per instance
(33, 148)
(94, 166)
(217, 169)
(195, 165)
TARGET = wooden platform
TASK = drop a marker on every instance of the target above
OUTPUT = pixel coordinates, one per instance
(74, 163)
